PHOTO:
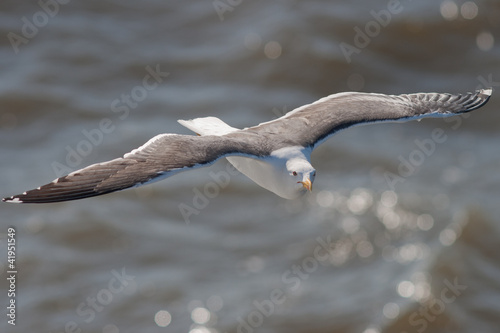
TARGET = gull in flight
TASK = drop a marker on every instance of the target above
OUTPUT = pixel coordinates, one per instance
(275, 154)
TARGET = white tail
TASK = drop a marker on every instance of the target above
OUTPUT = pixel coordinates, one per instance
(208, 126)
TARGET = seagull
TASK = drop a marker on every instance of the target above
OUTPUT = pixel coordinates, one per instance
(275, 154)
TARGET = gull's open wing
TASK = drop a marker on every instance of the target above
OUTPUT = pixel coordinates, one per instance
(311, 124)
(161, 157)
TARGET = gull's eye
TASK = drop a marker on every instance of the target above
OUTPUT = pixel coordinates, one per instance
(294, 173)
(314, 174)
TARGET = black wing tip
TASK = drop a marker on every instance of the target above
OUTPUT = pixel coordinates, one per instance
(50, 194)
(458, 103)
(24, 198)
(31, 198)
(476, 99)
(484, 95)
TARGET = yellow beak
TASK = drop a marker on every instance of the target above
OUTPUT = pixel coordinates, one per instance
(307, 184)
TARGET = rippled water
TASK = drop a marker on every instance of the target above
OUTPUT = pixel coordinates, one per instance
(364, 252)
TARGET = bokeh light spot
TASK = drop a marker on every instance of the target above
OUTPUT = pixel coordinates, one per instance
(485, 41)
(272, 50)
(406, 289)
(200, 315)
(163, 318)
(425, 222)
(469, 10)
(391, 310)
(449, 10)
(215, 303)
(364, 249)
(389, 199)
(447, 237)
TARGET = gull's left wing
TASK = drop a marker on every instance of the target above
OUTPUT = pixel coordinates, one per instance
(311, 124)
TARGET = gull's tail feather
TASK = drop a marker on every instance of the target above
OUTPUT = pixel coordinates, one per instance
(208, 126)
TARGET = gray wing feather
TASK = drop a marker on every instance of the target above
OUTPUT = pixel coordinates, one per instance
(311, 124)
(162, 156)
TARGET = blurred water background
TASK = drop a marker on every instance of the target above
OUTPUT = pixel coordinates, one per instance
(400, 233)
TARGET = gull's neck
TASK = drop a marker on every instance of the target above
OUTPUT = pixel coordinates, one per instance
(293, 152)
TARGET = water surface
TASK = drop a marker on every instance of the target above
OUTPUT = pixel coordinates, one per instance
(363, 252)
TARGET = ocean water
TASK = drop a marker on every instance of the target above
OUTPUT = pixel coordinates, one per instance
(400, 233)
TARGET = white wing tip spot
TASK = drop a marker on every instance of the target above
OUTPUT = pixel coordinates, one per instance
(12, 200)
(487, 91)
